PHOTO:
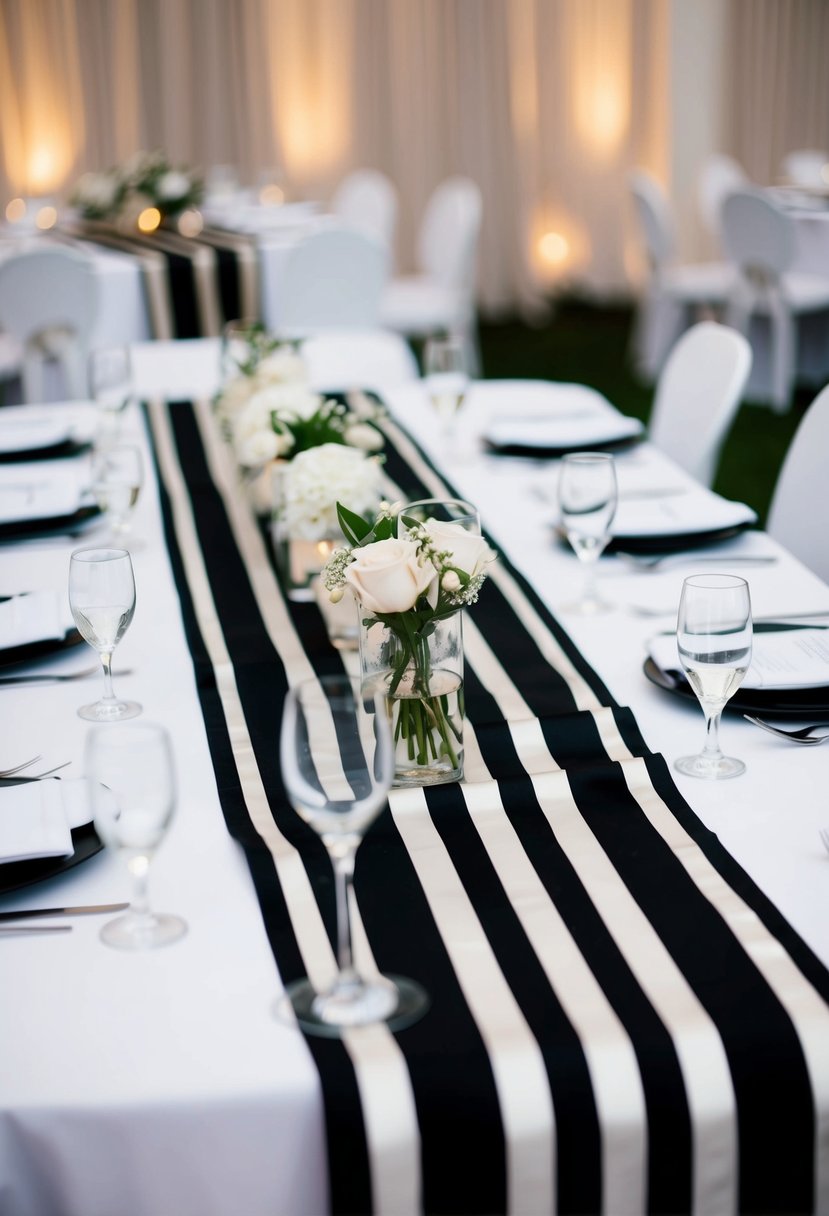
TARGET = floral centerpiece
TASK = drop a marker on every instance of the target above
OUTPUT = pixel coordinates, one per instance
(411, 579)
(147, 179)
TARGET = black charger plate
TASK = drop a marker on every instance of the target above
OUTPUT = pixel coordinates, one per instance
(17, 874)
(53, 451)
(55, 525)
(799, 703)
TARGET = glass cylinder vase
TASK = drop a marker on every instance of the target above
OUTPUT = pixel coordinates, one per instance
(421, 674)
(299, 559)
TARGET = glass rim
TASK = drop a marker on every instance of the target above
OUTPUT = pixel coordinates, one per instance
(106, 553)
(715, 581)
(587, 457)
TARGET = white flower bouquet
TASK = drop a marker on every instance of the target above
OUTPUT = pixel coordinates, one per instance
(147, 179)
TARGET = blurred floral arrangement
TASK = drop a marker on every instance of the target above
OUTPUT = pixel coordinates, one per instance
(147, 179)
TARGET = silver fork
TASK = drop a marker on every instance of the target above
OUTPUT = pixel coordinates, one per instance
(9, 772)
(646, 562)
(803, 734)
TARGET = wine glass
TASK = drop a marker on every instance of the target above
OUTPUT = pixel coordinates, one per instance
(111, 384)
(713, 637)
(587, 497)
(337, 760)
(102, 599)
(133, 790)
(446, 372)
(445, 510)
(117, 477)
(239, 346)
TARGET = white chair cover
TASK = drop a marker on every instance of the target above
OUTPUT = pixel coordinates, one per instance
(367, 200)
(720, 176)
(333, 278)
(800, 503)
(697, 397)
(49, 303)
(806, 167)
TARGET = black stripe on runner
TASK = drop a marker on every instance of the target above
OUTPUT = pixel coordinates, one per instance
(771, 1081)
(349, 1171)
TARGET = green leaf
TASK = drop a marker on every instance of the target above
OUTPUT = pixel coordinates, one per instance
(384, 529)
(355, 528)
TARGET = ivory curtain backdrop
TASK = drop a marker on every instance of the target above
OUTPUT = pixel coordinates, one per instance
(545, 103)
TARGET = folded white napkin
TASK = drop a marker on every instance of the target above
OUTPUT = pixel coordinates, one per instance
(38, 616)
(790, 659)
(20, 433)
(699, 510)
(33, 822)
(39, 490)
(537, 414)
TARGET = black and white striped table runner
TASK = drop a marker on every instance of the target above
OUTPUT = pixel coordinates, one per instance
(620, 1020)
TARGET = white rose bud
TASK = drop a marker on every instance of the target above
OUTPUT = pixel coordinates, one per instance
(387, 575)
(450, 582)
(336, 595)
(467, 551)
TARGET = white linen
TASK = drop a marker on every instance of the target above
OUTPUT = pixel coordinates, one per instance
(40, 490)
(21, 434)
(697, 510)
(545, 415)
(33, 822)
(37, 616)
(796, 658)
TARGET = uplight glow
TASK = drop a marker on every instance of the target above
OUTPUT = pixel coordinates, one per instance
(46, 218)
(149, 219)
(16, 210)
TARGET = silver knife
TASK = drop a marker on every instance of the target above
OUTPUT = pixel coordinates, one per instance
(27, 930)
(82, 910)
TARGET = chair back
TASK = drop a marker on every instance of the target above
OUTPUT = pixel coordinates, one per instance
(447, 241)
(697, 396)
(653, 215)
(333, 278)
(49, 302)
(757, 235)
(357, 359)
(806, 167)
(367, 200)
(720, 176)
(800, 502)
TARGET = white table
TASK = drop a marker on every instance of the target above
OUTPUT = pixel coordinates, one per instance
(160, 1084)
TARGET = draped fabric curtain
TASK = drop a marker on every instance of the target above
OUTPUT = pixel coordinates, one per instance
(546, 103)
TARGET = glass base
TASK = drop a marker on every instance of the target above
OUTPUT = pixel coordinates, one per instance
(406, 778)
(709, 769)
(594, 607)
(391, 999)
(105, 711)
(143, 932)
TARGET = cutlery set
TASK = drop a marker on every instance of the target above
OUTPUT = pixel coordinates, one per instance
(10, 928)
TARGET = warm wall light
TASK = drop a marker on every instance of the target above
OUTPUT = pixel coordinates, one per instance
(16, 210)
(190, 222)
(46, 168)
(46, 217)
(554, 248)
(149, 219)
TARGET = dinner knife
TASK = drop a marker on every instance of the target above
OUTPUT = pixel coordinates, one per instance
(81, 910)
(28, 930)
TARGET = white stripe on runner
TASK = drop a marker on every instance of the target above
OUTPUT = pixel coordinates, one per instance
(699, 1047)
(806, 1008)
(611, 1060)
(389, 1112)
(517, 1063)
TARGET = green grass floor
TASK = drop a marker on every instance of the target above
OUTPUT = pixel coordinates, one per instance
(590, 344)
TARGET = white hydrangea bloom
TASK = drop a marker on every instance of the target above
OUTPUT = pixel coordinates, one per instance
(173, 185)
(258, 448)
(318, 478)
(287, 400)
(281, 367)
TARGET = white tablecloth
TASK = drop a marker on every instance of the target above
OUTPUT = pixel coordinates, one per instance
(159, 1084)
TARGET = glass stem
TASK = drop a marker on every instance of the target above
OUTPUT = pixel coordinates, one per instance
(589, 584)
(343, 881)
(711, 751)
(106, 663)
(138, 867)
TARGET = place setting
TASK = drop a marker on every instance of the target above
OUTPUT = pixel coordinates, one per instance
(547, 421)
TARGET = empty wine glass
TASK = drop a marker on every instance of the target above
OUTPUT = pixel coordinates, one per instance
(713, 637)
(446, 372)
(133, 790)
(117, 477)
(111, 384)
(587, 497)
(337, 761)
(102, 600)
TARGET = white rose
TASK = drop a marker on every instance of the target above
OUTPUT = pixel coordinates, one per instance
(257, 448)
(173, 185)
(281, 367)
(361, 435)
(467, 551)
(388, 576)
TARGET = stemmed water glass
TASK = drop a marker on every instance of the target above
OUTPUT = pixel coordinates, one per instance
(111, 384)
(713, 637)
(446, 371)
(102, 600)
(133, 789)
(337, 760)
(117, 477)
(587, 498)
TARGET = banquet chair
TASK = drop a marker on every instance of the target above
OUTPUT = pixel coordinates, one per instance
(759, 239)
(698, 395)
(720, 176)
(49, 303)
(333, 278)
(676, 295)
(375, 360)
(367, 200)
(800, 501)
(440, 297)
(806, 167)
